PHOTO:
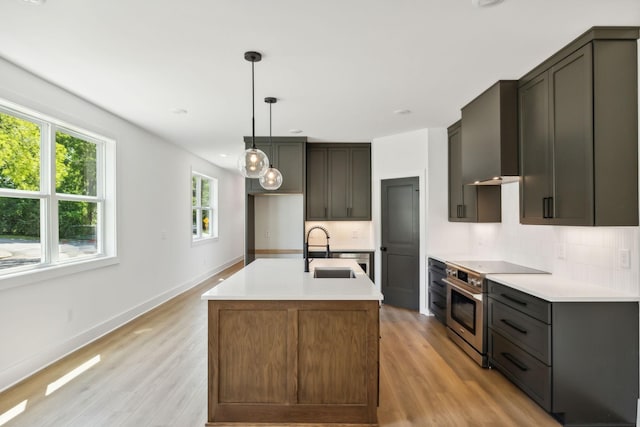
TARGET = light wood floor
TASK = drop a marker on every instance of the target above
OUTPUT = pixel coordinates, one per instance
(152, 372)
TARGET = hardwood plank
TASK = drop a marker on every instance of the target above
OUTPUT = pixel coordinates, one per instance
(153, 372)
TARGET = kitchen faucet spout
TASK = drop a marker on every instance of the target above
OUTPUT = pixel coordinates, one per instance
(306, 245)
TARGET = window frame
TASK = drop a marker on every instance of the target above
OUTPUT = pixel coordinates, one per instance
(51, 265)
(199, 236)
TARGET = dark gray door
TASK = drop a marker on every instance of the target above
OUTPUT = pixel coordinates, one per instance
(400, 242)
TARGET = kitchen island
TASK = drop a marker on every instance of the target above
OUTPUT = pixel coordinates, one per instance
(285, 347)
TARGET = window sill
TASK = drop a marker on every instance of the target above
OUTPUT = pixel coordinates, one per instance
(13, 280)
(203, 241)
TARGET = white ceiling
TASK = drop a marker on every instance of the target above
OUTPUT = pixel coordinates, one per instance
(339, 68)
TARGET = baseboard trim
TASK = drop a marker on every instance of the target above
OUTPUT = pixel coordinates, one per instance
(24, 369)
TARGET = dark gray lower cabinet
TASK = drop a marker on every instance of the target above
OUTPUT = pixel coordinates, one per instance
(578, 360)
(437, 290)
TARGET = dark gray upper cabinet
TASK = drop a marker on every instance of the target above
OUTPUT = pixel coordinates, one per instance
(469, 203)
(579, 133)
(287, 154)
(490, 134)
(338, 182)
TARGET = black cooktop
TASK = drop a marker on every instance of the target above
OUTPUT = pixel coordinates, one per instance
(496, 267)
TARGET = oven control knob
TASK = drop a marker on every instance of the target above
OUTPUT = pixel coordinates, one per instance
(476, 282)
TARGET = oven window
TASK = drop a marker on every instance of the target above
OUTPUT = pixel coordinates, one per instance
(463, 311)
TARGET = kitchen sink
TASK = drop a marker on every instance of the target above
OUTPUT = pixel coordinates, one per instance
(333, 273)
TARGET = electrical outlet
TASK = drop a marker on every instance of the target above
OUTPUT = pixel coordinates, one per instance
(561, 251)
(163, 235)
(267, 234)
(624, 258)
(354, 234)
(69, 315)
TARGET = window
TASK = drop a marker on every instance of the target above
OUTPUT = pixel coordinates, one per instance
(204, 207)
(53, 193)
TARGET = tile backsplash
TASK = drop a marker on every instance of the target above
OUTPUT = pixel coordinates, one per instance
(590, 254)
(344, 234)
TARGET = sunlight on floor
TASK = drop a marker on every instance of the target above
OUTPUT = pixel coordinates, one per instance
(13, 412)
(71, 375)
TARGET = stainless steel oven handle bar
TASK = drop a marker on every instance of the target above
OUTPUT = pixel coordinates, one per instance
(460, 289)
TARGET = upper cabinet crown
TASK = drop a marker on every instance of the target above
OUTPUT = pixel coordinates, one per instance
(285, 154)
(578, 125)
(490, 135)
(338, 182)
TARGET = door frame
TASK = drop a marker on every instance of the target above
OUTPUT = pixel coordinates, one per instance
(376, 206)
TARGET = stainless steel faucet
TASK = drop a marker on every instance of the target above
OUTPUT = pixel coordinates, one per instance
(306, 245)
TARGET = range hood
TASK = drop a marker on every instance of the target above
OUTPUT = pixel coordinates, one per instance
(490, 136)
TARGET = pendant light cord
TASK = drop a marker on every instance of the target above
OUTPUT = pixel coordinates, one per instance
(270, 138)
(253, 108)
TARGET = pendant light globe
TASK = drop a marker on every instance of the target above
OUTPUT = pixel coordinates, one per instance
(271, 180)
(253, 163)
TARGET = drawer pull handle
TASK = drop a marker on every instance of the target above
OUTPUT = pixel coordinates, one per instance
(515, 361)
(439, 305)
(512, 299)
(514, 326)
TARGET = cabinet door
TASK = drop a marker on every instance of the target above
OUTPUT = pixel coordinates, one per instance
(462, 198)
(339, 181)
(572, 138)
(316, 184)
(360, 188)
(289, 159)
(535, 149)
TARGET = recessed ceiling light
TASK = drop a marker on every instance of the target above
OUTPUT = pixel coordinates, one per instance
(224, 155)
(36, 2)
(295, 130)
(485, 3)
(178, 111)
(402, 111)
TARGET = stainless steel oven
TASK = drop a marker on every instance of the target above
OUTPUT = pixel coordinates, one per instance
(466, 315)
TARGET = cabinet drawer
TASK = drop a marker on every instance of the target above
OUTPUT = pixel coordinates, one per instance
(438, 305)
(436, 284)
(437, 266)
(526, 332)
(527, 372)
(528, 304)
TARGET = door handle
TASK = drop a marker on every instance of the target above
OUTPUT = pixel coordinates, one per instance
(383, 248)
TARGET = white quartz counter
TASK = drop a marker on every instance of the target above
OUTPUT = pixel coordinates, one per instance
(556, 289)
(285, 279)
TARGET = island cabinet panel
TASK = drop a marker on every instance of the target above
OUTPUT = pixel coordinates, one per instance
(339, 338)
(247, 338)
(290, 362)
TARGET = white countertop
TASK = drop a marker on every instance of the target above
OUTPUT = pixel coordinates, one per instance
(448, 257)
(285, 279)
(556, 289)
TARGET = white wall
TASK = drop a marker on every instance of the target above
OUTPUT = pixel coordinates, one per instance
(400, 156)
(278, 221)
(42, 321)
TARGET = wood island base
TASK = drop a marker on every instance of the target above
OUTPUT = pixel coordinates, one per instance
(293, 362)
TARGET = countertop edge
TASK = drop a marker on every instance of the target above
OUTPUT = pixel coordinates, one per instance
(590, 292)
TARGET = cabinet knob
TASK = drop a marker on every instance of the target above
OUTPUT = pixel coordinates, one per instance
(383, 248)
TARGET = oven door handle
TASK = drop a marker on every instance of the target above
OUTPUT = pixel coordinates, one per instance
(459, 289)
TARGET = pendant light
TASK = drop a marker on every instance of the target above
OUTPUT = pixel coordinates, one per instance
(272, 179)
(253, 163)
